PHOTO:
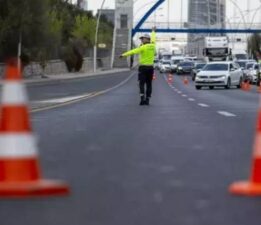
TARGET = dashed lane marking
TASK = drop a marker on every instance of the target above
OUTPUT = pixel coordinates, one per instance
(191, 99)
(227, 114)
(203, 105)
(184, 96)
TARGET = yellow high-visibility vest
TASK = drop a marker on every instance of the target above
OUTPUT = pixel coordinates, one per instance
(146, 52)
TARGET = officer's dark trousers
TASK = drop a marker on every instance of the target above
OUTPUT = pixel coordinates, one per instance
(145, 79)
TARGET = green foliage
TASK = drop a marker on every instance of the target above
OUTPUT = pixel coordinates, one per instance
(27, 18)
(49, 29)
(84, 29)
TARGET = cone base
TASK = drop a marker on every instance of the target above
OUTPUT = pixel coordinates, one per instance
(245, 188)
(39, 188)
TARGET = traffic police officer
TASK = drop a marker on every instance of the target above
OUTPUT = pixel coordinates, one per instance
(146, 53)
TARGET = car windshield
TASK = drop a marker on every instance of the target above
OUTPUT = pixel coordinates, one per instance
(249, 65)
(200, 66)
(241, 56)
(186, 64)
(241, 64)
(165, 63)
(177, 61)
(166, 57)
(216, 67)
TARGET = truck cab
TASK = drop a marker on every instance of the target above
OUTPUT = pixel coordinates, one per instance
(216, 49)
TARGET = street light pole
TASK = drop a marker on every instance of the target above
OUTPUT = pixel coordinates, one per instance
(208, 4)
(181, 14)
(19, 52)
(96, 38)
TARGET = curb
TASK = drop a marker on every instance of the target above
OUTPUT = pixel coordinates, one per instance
(60, 77)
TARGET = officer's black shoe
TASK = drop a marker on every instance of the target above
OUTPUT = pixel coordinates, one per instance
(142, 101)
(147, 101)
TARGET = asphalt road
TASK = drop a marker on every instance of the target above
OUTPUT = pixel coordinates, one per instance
(65, 88)
(169, 163)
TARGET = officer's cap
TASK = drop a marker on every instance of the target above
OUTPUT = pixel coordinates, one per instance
(145, 36)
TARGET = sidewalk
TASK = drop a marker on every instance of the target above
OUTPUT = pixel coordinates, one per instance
(69, 76)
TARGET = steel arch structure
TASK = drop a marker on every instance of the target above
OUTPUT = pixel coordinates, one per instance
(138, 28)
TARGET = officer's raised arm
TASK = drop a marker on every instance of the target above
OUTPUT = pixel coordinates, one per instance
(153, 35)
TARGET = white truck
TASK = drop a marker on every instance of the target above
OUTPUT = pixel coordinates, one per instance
(217, 49)
(239, 54)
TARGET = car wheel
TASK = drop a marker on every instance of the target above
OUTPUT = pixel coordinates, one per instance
(228, 85)
(240, 83)
(211, 87)
(198, 87)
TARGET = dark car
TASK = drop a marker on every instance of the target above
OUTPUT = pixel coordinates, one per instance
(185, 67)
(197, 68)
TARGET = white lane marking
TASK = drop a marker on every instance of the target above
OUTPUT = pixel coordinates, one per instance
(184, 96)
(227, 114)
(203, 105)
(179, 92)
(191, 99)
(61, 100)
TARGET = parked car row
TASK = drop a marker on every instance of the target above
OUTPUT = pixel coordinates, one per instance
(214, 74)
(175, 64)
(224, 73)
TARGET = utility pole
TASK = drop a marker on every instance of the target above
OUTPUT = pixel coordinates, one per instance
(96, 38)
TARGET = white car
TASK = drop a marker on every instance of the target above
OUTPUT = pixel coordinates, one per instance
(219, 74)
(253, 71)
(164, 66)
(174, 64)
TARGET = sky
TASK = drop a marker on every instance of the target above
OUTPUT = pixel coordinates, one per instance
(175, 9)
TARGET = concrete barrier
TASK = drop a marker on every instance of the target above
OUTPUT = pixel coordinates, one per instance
(57, 67)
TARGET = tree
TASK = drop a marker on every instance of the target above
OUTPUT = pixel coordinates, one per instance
(28, 19)
(84, 29)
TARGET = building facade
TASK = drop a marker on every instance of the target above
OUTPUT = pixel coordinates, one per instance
(204, 14)
(109, 14)
(122, 32)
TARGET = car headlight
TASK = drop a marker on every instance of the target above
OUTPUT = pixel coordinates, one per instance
(253, 73)
(180, 68)
(222, 77)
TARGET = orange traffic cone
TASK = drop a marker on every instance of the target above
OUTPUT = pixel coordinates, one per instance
(259, 87)
(185, 81)
(243, 86)
(20, 174)
(248, 86)
(252, 187)
(170, 79)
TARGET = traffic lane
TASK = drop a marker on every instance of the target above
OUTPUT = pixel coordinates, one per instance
(74, 87)
(232, 99)
(169, 163)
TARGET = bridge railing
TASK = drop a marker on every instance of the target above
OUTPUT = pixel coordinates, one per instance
(177, 25)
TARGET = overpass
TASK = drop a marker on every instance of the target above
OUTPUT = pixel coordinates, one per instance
(181, 28)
